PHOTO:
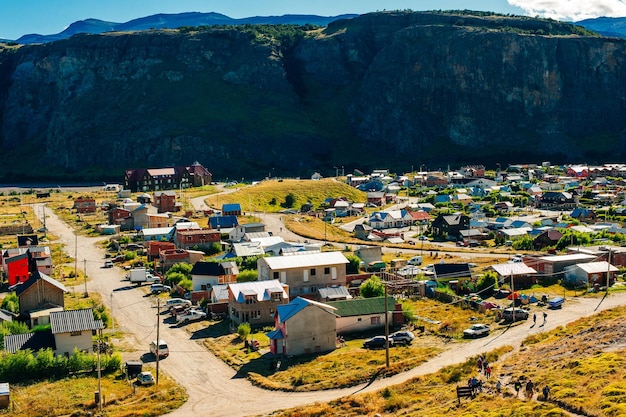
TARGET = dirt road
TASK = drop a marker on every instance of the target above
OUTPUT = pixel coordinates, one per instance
(215, 389)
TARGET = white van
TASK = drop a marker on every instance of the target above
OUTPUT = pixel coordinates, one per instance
(177, 302)
(163, 349)
(415, 261)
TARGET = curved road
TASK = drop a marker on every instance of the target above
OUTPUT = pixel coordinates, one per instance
(214, 388)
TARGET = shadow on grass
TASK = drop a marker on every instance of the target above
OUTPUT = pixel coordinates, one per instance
(214, 329)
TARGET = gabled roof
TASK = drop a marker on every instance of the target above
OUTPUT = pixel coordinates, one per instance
(362, 306)
(597, 267)
(220, 292)
(306, 260)
(231, 207)
(34, 341)
(513, 268)
(286, 311)
(73, 321)
(248, 249)
(33, 280)
(448, 271)
(223, 222)
(335, 292)
(262, 289)
(208, 268)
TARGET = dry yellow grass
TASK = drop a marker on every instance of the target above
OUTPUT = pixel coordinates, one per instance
(267, 196)
(583, 364)
(75, 396)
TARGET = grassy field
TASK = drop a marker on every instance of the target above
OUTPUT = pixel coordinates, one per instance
(347, 365)
(267, 196)
(75, 396)
(591, 383)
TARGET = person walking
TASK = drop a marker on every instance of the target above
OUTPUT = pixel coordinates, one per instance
(488, 371)
(534, 318)
(530, 388)
(517, 385)
(546, 392)
(545, 317)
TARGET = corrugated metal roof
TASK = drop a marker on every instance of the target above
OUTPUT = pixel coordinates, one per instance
(515, 268)
(597, 267)
(306, 260)
(73, 321)
(568, 258)
(362, 306)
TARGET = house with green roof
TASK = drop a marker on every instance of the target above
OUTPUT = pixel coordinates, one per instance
(364, 314)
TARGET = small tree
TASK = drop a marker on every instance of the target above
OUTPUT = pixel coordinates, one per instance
(373, 287)
(353, 265)
(243, 330)
(248, 275)
(290, 200)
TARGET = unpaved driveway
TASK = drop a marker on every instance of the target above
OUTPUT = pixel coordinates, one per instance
(213, 388)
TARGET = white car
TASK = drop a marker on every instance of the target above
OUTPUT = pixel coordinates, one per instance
(415, 261)
(477, 330)
(145, 378)
(159, 288)
(191, 315)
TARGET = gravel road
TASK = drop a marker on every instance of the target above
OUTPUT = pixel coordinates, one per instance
(214, 389)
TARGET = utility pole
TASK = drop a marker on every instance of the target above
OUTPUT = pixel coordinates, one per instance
(75, 254)
(112, 318)
(158, 340)
(386, 327)
(99, 372)
(85, 276)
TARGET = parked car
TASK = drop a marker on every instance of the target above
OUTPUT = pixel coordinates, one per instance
(108, 264)
(415, 261)
(164, 350)
(403, 337)
(376, 266)
(511, 314)
(477, 330)
(377, 342)
(145, 378)
(191, 315)
(176, 302)
(422, 238)
(159, 288)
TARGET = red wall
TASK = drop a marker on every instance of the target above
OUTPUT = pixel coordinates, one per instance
(17, 271)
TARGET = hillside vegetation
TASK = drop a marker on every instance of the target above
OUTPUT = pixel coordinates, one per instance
(273, 195)
(582, 363)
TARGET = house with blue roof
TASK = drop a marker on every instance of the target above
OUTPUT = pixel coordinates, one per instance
(303, 327)
(223, 222)
(233, 209)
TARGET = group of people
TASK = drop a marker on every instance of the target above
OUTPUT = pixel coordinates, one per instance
(484, 367)
(530, 389)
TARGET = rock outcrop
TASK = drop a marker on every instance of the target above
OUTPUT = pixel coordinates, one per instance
(390, 89)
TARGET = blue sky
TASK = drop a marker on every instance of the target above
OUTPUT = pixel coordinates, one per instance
(45, 17)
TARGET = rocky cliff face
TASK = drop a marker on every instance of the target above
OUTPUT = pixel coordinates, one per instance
(385, 89)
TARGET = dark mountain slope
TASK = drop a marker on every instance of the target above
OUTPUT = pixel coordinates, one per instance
(386, 89)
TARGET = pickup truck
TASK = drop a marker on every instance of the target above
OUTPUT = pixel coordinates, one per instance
(191, 315)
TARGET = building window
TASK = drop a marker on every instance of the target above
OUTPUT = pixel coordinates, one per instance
(276, 275)
(75, 333)
(327, 270)
(312, 272)
(276, 296)
(375, 320)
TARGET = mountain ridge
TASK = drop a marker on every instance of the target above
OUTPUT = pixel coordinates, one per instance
(390, 89)
(174, 21)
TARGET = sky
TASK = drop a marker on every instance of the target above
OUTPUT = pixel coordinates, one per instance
(47, 17)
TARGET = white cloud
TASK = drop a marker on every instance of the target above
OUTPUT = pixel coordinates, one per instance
(572, 10)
